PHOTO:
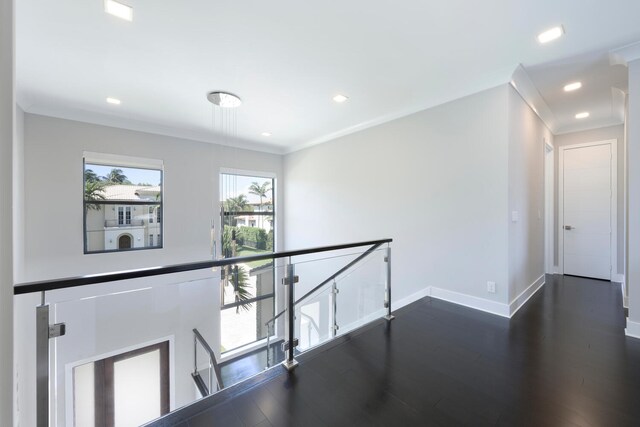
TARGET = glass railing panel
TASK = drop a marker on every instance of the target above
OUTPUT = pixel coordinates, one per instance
(337, 292)
(361, 293)
(314, 319)
(130, 351)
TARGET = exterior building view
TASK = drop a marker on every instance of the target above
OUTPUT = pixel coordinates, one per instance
(123, 225)
(425, 210)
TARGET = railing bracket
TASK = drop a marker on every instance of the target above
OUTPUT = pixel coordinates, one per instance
(285, 345)
(285, 280)
(57, 330)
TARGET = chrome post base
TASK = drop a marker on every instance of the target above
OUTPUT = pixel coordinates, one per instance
(290, 364)
(389, 317)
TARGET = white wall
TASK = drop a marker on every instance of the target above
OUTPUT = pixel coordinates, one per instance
(435, 182)
(594, 135)
(53, 182)
(527, 136)
(7, 129)
(633, 157)
(53, 243)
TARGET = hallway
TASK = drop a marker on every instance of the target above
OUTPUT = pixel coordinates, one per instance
(562, 360)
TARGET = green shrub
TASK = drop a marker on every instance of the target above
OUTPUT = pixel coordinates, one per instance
(253, 237)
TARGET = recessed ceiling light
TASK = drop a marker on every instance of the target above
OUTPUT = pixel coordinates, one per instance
(572, 86)
(120, 10)
(113, 101)
(583, 115)
(266, 133)
(551, 34)
(340, 98)
(224, 99)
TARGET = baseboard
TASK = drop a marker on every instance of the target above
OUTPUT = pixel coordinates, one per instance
(623, 288)
(633, 329)
(524, 296)
(617, 277)
(425, 292)
(482, 304)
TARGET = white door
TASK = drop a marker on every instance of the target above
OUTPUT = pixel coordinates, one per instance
(586, 225)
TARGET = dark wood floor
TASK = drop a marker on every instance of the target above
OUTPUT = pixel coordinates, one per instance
(562, 360)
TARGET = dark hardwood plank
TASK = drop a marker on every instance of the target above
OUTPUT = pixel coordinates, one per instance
(562, 360)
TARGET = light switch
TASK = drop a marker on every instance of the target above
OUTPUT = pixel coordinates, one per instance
(515, 217)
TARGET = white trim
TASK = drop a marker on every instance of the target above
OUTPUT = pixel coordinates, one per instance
(549, 207)
(492, 307)
(614, 201)
(625, 54)
(617, 277)
(632, 329)
(107, 159)
(68, 373)
(425, 292)
(248, 173)
(519, 301)
(523, 84)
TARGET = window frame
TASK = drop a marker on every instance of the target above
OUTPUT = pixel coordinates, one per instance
(121, 161)
(229, 354)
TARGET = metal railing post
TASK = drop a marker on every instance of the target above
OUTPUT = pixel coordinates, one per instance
(42, 365)
(387, 285)
(334, 311)
(290, 362)
(44, 332)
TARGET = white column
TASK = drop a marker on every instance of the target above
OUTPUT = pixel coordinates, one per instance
(633, 170)
(7, 129)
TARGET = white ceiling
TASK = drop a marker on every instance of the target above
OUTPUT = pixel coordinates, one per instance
(602, 92)
(287, 59)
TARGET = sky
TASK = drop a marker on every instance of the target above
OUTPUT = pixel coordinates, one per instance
(136, 176)
(234, 185)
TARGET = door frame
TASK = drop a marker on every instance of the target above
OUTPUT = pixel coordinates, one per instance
(614, 201)
(549, 208)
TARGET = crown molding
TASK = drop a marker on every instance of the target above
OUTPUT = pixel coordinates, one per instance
(522, 83)
(625, 54)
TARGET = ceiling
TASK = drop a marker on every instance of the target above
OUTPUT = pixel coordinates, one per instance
(286, 59)
(601, 95)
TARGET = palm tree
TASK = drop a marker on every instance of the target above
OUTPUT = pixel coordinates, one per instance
(260, 191)
(240, 281)
(236, 204)
(90, 176)
(93, 192)
(116, 176)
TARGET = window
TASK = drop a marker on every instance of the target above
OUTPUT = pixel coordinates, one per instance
(122, 203)
(248, 297)
(150, 239)
(124, 215)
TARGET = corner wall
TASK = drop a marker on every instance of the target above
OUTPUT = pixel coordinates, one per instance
(7, 135)
(527, 136)
(435, 182)
(633, 158)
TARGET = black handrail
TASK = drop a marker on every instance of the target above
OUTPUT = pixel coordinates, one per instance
(330, 278)
(73, 282)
